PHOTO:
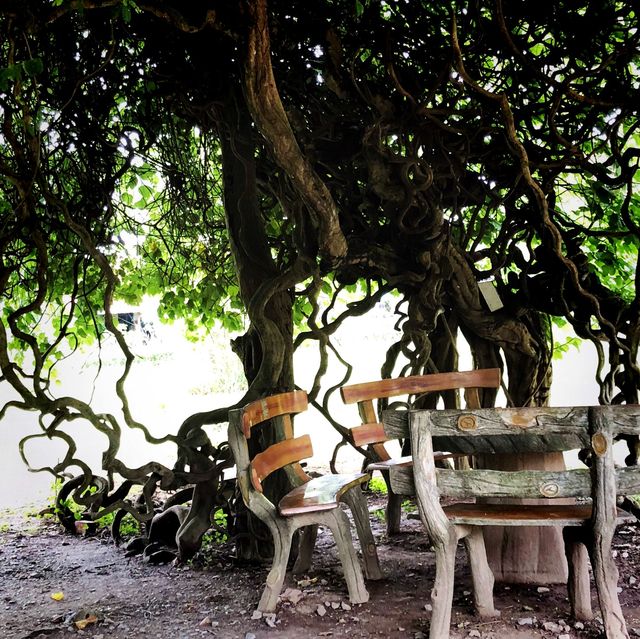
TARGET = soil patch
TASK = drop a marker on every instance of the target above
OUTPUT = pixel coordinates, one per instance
(118, 597)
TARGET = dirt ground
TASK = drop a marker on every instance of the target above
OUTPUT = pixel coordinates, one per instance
(118, 597)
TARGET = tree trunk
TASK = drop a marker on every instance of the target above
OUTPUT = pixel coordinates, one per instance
(266, 349)
(529, 554)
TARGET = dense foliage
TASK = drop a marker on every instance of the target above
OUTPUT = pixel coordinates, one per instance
(240, 158)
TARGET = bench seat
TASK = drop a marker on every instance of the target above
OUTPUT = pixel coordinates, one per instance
(320, 493)
(407, 461)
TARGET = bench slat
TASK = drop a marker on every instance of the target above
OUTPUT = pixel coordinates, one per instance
(419, 384)
(273, 406)
(320, 493)
(523, 515)
(368, 434)
(277, 456)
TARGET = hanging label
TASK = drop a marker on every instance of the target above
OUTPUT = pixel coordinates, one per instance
(490, 295)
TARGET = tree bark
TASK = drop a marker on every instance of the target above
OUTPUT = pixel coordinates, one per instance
(266, 349)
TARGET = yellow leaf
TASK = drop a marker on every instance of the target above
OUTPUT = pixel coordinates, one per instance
(81, 624)
(57, 596)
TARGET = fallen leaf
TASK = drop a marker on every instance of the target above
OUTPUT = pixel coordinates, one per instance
(57, 596)
(81, 624)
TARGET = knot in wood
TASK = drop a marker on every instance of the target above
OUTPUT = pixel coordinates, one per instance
(467, 422)
(549, 489)
(599, 444)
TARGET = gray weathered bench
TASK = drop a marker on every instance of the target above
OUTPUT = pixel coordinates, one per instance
(589, 524)
(371, 433)
(314, 501)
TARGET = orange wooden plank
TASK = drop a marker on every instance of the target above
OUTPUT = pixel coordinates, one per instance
(277, 456)
(263, 409)
(321, 493)
(550, 514)
(416, 384)
(368, 434)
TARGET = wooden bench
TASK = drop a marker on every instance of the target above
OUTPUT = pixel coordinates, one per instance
(587, 527)
(371, 432)
(312, 502)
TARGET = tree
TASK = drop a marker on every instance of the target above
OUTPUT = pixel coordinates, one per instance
(273, 158)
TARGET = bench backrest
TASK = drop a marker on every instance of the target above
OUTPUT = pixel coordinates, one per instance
(286, 453)
(371, 432)
(516, 430)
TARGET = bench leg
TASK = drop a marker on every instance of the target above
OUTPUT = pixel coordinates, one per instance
(356, 501)
(481, 574)
(578, 584)
(308, 536)
(605, 574)
(341, 529)
(442, 593)
(282, 536)
(394, 507)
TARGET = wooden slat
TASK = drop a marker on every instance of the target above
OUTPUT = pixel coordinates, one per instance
(418, 384)
(517, 515)
(277, 456)
(521, 484)
(387, 464)
(524, 515)
(268, 407)
(628, 480)
(368, 434)
(407, 461)
(499, 430)
(321, 493)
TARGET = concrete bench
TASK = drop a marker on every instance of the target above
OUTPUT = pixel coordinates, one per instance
(588, 527)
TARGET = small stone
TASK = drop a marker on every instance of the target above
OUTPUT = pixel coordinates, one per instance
(564, 636)
(578, 625)
(400, 628)
(321, 610)
(552, 626)
(345, 606)
(249, 635)
(270, 620)
(335, 605)
(466, 593)
(528, 608)
(542, 589)
(474, 633)
(205, 622)
(525, 621)
(256, 614)
(428, 607)
(293, 595)
(632, 580)
(419, 635)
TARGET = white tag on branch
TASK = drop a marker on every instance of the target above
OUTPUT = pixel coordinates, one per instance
(490, 295)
